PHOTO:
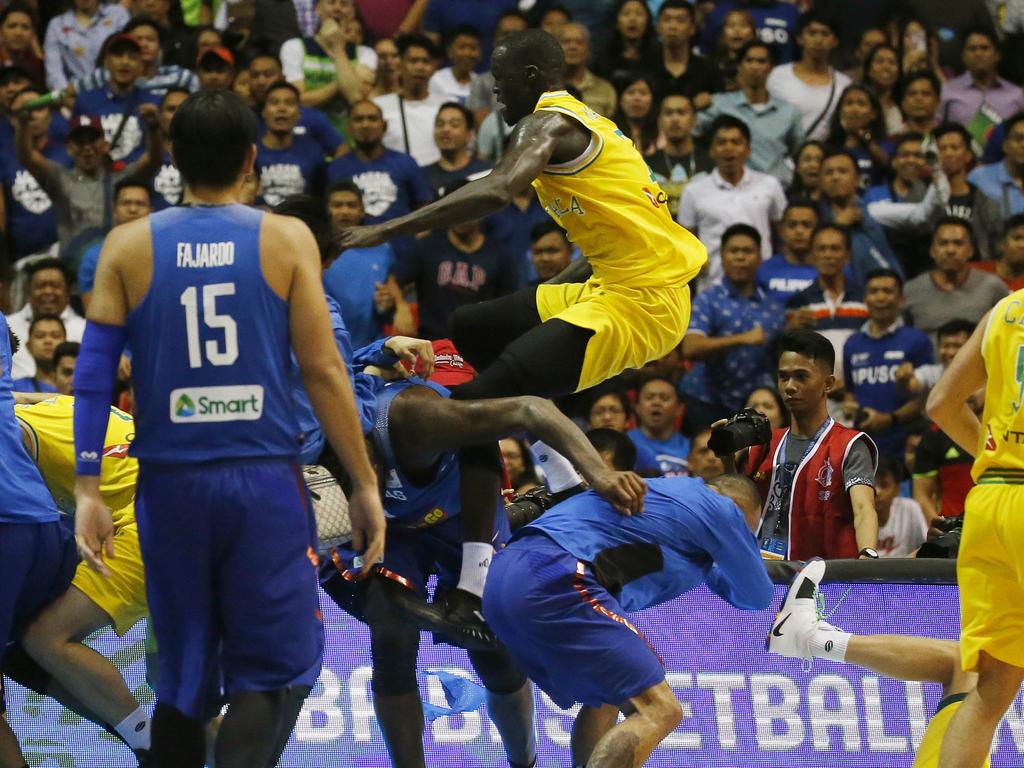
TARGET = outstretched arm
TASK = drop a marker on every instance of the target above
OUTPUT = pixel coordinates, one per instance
(424, 425)
(533, 142)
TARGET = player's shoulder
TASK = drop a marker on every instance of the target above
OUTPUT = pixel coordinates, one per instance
(127, 241)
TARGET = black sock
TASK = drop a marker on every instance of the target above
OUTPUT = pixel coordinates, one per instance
(178, 741)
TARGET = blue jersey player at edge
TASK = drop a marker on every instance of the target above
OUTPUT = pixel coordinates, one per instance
(211, 298)
(556, 595)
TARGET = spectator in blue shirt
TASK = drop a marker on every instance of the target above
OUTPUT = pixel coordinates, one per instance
(31, 222)
(657, 406)
(45, 332)
(840, 205)
(775, 21)
(1001, 181)
(117, 103)
(287, 163)
(789, 271)
(391, 182)
(167, 187)
(215, 68)
(356, 279)
(874, 400)
(132, 200)
(611, 409)
(732, 328)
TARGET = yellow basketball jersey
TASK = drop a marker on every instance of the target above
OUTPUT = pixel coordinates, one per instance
(1000, 455)
(612, 208)
(50, 425)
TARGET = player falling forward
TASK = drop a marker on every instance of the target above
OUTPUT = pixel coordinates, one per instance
(799, 632)
(989, 567)
(211, 298)
(556, 595)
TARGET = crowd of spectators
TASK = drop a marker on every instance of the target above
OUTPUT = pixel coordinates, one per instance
(855, 168)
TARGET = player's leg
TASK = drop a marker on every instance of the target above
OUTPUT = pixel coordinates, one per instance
(55, 640)
(651, 716)
(591, 725)
(969, 736)
(509, 704)
(481, 331)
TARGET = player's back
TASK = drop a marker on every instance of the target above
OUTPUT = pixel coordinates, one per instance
(23, 496)
(50, 425)
(210, 344)
(610, 205)
(1000, 458)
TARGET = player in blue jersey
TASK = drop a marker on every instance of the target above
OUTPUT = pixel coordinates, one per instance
(211, 298)
(37, 554)
(417, 429)
(556, 595)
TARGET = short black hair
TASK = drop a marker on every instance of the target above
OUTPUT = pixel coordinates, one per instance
(955, 326)
(1013, 222)
(536, 47)
(734, 230)
(679, 5)
(461, 30)
(656, 377)
(725, 121)
(278, 85)
(985, 31)
(15, 74)
(49, 263)
(834, 151)
(1011, 122)
(133, 182)
(888, 466)
(621, 447)
(143, 21)
(809, 344)
(947, 128)
(815, 17)
(413, 40)
(546, 227)
(755, 43)
(801, 203)
(831, 226)
(953, 221)
(874, 274)
(344, 185)
(19, 7)
(66, 349)
(211, 133)
(312, 212)
(261, 53)
(46, 318)
(920, 74)
(618, 394)
(466, 113)
(907, 137)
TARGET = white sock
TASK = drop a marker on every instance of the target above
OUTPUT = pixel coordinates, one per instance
(559, 473)
(830, 644)
(134, 729)
(476, 559)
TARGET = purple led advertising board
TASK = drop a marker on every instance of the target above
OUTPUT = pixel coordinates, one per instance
(742, 707)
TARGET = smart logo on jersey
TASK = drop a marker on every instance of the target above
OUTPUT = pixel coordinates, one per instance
(193, 405)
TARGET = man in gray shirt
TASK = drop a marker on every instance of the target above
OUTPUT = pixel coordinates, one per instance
(952, 290)
(83, 195)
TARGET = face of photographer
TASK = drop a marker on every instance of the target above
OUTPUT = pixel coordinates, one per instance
(804, 385)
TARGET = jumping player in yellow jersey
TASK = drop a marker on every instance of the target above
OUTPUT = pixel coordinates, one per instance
(570, 335)
(990, 568)
(54, 639)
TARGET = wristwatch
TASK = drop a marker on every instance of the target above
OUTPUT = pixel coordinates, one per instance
(868, 552)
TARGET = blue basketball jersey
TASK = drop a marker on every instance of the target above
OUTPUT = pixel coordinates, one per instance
(687, 534)
(210, 344)
(24, 497)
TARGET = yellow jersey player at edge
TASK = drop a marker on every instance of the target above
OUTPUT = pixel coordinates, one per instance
(568, 334)
(990, 569)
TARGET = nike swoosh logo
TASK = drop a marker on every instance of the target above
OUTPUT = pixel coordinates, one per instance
(779, 626)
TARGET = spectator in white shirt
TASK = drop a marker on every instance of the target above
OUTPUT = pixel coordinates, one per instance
(811, 84)
(731, 194)
(463, 49)
(901, 526)
(75, 38)
(48, 294)
(410, 113)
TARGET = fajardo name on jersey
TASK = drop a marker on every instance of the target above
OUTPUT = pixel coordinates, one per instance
(206, 255)
(193, 405)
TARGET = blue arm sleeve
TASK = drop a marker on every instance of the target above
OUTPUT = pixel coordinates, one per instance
(373, 353)
(95, 374)
(739, 576)
(366, 388)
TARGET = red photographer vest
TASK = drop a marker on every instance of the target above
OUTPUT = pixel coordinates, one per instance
(820, 512)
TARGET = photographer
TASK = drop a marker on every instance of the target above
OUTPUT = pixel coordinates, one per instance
(817, 477)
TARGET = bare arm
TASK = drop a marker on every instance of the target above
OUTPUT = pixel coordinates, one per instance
(865, 518)
(926, 493)
(30, 157)
(149, 164)
(414, 18)
(947, 403)
(431, 424)
(533, 143)
(697, 346)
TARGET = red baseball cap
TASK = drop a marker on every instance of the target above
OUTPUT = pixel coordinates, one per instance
(83, 123)
(120, 40)
(450, 369)
(220, 52)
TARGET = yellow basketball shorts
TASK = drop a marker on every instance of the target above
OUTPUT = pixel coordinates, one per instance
(931, 744)
(990, 571)
(122, 595)
(632, 326)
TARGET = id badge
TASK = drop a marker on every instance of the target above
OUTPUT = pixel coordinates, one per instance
(773, 549)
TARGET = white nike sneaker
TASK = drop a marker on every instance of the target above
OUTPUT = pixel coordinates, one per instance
(797, 618)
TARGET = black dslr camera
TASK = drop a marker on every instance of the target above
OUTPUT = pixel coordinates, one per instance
(947, 545)
(747, 428)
